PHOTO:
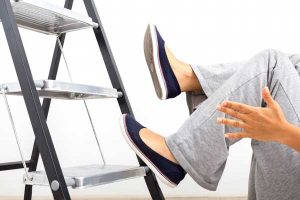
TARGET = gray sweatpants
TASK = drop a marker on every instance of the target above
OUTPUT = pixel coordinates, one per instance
(200, 146)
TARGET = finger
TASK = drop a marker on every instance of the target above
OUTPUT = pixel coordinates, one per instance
(267, 97)
(238, 135)
(231, 122)
(233, 113)
(242, 108)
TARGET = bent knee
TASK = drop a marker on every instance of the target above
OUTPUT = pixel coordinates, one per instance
(269, 53)
(270, 58)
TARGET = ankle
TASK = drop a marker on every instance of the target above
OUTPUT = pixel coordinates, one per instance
(168, 153)
(187, 78)
(184, 73)
(185, 70)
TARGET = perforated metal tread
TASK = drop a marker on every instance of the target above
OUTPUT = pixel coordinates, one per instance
(64, 90)
(44, 17)
(90, 175)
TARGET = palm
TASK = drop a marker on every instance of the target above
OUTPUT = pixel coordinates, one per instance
(257, 123)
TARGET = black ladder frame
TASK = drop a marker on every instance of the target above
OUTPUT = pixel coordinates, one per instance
(38, 113)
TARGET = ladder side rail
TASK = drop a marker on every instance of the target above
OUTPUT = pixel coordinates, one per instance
(116, 81)
(47, 101)
(45, 106)
(31, 98)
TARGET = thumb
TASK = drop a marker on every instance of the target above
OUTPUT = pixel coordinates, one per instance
(267, 96)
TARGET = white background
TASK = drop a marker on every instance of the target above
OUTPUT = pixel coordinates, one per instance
(199, 32)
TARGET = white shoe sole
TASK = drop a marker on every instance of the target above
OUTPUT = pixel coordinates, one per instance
(153, 168)
(152, 59)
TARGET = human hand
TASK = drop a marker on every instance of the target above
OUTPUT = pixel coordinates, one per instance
(266, 124)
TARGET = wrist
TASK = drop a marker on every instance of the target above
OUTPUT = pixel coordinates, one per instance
(287, 134)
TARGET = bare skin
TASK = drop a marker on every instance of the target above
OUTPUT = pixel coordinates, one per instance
(184, 73)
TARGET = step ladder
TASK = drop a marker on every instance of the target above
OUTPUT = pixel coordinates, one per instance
(50, 19)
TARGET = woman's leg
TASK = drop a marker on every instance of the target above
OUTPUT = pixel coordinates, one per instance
(199, 145)
(172, 76)
(190, 78)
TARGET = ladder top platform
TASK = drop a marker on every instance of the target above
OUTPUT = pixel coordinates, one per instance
(47, 18)
(90, 175)
(64, 90)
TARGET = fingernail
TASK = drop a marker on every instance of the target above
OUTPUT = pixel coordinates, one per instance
(219, 107)
(219, 120)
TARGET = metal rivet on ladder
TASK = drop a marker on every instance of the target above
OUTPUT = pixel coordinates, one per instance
(55, 185)
(120, 94)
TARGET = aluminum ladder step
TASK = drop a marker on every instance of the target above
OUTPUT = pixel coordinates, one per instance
(44, 17)
(64, 90)
(88, 176)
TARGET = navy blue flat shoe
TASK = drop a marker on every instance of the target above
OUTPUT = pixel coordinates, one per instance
(167, 171)
(163, 77)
